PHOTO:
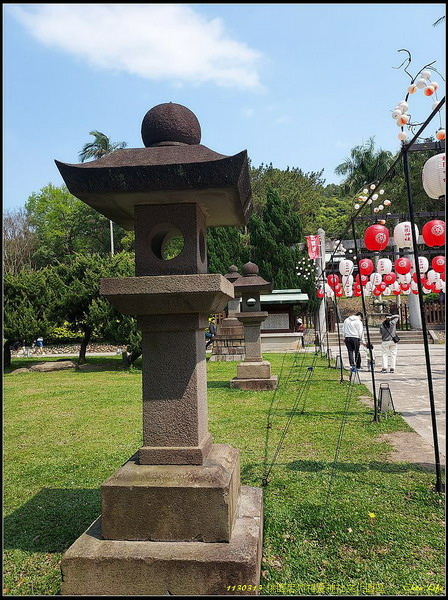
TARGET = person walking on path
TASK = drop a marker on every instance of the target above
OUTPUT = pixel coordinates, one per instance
(211, 333)
(389, 342)
(300, 328)
(353, 333)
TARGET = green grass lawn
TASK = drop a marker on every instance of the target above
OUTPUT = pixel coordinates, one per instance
(339, 519)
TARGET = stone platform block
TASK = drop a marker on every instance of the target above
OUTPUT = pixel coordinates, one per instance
(254, 370)
(93, 566)
(171, 502)
(255, 384)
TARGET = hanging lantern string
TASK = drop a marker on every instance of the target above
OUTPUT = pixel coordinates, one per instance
(404, 148)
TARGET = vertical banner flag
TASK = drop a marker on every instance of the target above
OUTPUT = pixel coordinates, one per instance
(313, 243)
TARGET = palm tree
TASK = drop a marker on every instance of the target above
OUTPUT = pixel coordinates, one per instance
(101, 147)
(364, 166)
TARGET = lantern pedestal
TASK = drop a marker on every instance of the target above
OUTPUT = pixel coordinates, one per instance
(253, 373)
(94, 566)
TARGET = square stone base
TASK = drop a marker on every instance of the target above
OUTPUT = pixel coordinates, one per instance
(96, 567)
(255, 384)
(168, 503)
(254, 370)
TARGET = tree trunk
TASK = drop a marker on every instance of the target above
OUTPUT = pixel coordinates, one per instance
(84, 344)
(7, 354)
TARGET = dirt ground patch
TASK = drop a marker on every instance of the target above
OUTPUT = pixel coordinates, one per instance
(410, 447)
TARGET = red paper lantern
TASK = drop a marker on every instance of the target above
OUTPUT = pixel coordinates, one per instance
(405, 286)
(389, 278)
(339, 293)
(332, 280)
(396, 292)
(361, 279)
(377, 292)
(320, 293)
(435, 289)
(422, 278)
(366, 267)
(433, 233)
(376, 237)
(381, 286)
(415, 291)
(357, 294)
(438, 264)
(402, 265)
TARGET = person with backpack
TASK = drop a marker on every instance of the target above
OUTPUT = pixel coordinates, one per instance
(389, 342)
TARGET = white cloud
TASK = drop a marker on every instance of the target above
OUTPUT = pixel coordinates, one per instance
(153, 41)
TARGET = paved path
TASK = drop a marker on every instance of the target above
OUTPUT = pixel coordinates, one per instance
(409, 387)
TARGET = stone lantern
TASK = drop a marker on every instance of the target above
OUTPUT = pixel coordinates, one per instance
(229, 340)
(175, 519)
(253, 373)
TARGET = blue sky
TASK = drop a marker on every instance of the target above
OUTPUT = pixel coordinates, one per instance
(295, 85)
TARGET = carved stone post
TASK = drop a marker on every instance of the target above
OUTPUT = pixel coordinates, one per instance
(253, 373)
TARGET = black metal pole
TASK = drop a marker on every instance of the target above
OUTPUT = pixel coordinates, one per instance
(375, 401)
(439, 485)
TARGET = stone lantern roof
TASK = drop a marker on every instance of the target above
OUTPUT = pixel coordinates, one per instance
(250, 281)
(233, 274)
(173, 168)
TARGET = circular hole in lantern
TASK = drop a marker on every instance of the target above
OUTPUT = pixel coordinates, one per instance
(166, 241)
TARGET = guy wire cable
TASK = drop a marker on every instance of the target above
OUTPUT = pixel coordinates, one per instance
(344, 420)
(272, 406)
(303, 387)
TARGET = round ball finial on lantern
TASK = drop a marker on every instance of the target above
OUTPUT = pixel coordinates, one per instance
(170, 124)
(433, 176)
(250, 269)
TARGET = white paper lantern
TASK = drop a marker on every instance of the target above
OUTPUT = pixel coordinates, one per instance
(384, 266)
(406, 292)
(432, 276)
(426, 291)
(347, 280)
(423, 264)
(368, 287)
(440, 285)
(404, 278)
(387, 291)
(434, 176)
(403, 234)
(375, 279)
(345, 267)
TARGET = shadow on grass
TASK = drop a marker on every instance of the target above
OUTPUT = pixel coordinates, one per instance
(218, 384)
(383, 467)
(52, 520)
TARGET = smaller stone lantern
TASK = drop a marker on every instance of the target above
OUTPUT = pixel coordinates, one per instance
(229, 340)
(253, 373)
